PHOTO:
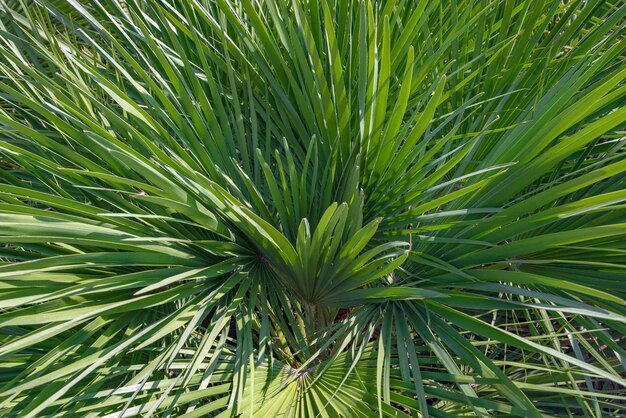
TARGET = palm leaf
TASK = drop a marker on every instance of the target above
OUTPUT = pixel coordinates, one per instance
(312, 208)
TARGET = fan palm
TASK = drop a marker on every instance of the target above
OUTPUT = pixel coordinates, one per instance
(312, 208)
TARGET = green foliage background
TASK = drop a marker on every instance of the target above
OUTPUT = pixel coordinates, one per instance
(312, 208)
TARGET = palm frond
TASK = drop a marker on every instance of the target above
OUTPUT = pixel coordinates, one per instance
(312, 208)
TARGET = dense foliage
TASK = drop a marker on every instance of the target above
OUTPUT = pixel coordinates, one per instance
(312, 208)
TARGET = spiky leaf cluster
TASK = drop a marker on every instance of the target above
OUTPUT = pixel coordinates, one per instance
(312, 208)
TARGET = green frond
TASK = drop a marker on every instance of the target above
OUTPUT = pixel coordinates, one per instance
(312, 208)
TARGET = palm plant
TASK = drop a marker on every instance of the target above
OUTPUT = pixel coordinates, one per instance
(312, 208)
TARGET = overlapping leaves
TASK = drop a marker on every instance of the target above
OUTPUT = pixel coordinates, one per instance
(312, 208)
